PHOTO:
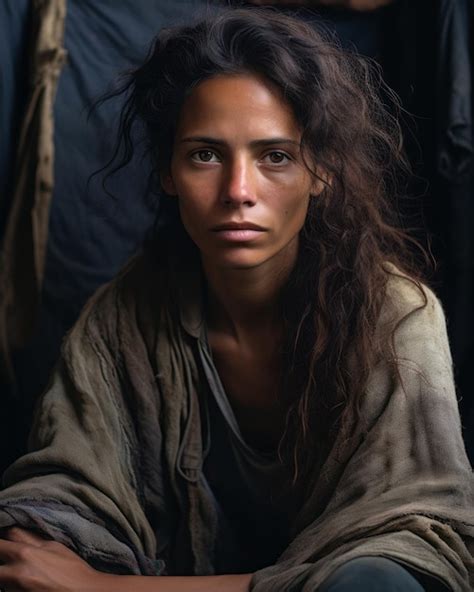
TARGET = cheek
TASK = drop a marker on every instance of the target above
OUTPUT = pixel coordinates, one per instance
(291, 196)
(194, 204)
(192, 219)
(195, 191)
(296, 209)
(192, 199)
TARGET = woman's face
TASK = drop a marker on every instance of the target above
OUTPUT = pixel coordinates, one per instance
(237, 171)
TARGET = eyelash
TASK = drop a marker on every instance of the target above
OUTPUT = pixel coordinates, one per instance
(194, 154)
(279, 152)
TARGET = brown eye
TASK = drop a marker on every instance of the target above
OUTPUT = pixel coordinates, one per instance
(205, 156)
(277, 157)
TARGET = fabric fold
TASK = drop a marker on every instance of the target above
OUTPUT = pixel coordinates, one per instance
(23, 253)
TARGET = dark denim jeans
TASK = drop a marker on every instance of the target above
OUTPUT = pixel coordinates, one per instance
(377, 574)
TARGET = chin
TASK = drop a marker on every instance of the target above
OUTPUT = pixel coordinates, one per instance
(248, 261)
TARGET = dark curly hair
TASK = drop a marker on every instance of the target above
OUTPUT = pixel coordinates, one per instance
(352, 233)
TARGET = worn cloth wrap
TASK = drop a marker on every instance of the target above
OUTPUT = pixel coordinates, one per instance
(115, 468)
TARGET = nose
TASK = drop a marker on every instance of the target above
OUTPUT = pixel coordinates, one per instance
(238, 187)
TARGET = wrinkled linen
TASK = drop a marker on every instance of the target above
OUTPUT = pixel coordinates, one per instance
(115, 468)
(23, 252)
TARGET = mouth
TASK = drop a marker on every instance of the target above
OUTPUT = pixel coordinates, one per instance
(237, 226)
(238, 231)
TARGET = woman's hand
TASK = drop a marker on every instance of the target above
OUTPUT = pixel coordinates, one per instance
(32, 564)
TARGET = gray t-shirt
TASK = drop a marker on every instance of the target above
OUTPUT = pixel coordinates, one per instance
(249, 486)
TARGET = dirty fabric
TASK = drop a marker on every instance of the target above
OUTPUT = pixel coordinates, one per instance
(455, 141)
(24, 244)
(116, 463)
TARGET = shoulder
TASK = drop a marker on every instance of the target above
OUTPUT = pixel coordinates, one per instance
(416, 353)
(415, 373)
(148, 296)
(132, 298)
(415, 316)
(405, 296)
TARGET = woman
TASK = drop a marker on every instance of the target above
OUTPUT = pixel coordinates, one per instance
(263, 399)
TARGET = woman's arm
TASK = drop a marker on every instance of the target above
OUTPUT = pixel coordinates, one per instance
(83, 482)
(31, 563)
(227, 583)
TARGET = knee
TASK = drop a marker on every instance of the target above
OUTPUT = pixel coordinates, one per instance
(371, 574)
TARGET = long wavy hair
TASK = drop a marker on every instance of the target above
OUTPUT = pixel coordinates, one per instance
(349, 124)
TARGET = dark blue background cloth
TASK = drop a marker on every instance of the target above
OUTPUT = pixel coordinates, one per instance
(91, 234)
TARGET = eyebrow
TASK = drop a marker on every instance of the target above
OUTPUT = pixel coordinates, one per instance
(262, 142)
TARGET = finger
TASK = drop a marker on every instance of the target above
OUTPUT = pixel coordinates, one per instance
(9, 579)
(20, 535)
(9, 551)
(59, 548)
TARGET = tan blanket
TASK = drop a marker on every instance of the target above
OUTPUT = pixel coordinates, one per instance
(115, 469)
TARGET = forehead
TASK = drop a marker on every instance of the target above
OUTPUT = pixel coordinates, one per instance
(237, 104)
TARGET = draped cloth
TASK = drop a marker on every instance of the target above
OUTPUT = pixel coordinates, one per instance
(455, 99)
(116, 451)
(23, 252)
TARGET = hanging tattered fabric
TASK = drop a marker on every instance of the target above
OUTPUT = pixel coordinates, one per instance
(455, 142)
(22, 258)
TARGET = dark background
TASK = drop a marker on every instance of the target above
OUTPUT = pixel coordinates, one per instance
(425, 50)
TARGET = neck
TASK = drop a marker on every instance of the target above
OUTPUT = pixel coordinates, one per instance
(245, 301)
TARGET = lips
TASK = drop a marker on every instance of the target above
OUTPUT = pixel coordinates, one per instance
(238, 231)
(237, 226)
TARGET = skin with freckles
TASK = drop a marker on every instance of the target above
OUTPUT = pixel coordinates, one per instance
(237, 159)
